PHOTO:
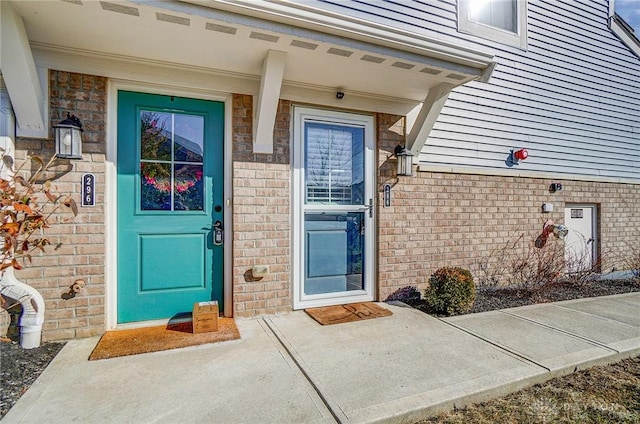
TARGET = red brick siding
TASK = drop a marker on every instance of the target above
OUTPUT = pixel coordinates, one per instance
(261, 214)
(83, 240)
(448, 219)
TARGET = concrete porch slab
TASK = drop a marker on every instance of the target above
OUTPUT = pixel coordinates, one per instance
(289, 369)
(401, 367)
(242, 381)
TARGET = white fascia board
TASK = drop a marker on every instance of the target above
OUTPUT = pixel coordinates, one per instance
(20, 75)
(305, 16)
(267, 102)
(426, 119)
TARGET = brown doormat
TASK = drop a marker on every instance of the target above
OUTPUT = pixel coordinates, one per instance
(339, 314)
(164, 337)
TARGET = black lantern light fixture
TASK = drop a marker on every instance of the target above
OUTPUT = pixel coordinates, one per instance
(405, 161)
(69, 138)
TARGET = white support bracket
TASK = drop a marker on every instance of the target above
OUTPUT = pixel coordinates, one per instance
(267, 104)
(20, 75)
(427, 117)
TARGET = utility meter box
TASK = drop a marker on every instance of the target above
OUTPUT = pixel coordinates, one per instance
(205, 317)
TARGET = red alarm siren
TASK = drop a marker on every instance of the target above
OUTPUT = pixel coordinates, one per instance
(521, 154)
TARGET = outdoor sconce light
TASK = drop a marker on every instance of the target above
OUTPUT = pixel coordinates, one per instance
(405, 161)
(555, 187)
(69, 138)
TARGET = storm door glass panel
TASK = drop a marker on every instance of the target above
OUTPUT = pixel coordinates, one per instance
(334, 246)
(171, 161)
(334, 164)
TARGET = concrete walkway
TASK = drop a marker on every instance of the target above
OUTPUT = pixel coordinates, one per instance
(289, 369)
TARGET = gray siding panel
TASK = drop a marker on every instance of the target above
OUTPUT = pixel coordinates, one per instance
(572, 98)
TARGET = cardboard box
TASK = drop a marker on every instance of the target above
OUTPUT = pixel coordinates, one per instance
(205, 317)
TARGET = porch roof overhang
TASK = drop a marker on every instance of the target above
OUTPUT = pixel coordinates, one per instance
(279, 50)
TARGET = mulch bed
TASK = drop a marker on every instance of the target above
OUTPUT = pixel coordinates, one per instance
(20, 368)
(490, 300)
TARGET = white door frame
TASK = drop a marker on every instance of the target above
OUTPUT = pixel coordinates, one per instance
(111, 198)
(300, 116)
(594, 226)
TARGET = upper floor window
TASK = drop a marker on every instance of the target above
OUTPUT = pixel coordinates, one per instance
(504, 21)
(624, 21)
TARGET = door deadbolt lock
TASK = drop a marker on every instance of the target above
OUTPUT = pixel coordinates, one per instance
(217, 233)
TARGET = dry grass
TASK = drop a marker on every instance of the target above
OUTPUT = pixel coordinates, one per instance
(603, 394)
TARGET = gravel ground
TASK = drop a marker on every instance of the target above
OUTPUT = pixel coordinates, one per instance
(20, 367)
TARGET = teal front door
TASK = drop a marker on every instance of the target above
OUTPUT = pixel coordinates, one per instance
(170, 202)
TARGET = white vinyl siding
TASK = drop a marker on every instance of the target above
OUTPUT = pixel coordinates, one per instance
(572, 98)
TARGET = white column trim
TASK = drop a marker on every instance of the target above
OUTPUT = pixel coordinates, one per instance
(267, 102)
(20, 75)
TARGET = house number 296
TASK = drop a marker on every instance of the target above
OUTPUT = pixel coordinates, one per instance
(88, 190)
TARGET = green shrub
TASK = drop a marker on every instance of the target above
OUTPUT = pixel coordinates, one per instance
(451, 291)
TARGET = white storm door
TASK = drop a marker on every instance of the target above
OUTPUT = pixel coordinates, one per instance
(333, 229)
(580, 243)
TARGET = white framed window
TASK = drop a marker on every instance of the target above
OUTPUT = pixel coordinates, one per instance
(503, 21)
(625, 24)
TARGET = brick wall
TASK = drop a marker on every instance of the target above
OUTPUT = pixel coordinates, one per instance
(448, 219)
(261, 214)
(82, 252)
(436, 219)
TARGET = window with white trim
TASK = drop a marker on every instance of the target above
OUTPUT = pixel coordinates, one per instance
(503, 21)
(624, 21)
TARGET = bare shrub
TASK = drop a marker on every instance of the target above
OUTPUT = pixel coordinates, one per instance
(631, 257)
(581, 268)
(520, 265)
(532, 269)
(489, 271)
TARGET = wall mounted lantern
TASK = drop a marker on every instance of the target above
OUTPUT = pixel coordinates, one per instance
(405, 161)
(555, 187)
(69, 138)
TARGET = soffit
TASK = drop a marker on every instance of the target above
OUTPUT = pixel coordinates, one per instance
(191, 35)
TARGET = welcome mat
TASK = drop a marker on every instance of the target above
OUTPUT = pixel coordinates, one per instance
(340, 314)
(163, 337)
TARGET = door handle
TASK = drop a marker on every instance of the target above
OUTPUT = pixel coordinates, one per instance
(218, 233)
(369, 207)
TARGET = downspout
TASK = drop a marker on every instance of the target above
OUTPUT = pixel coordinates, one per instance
(31, 300)
(32, 308)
